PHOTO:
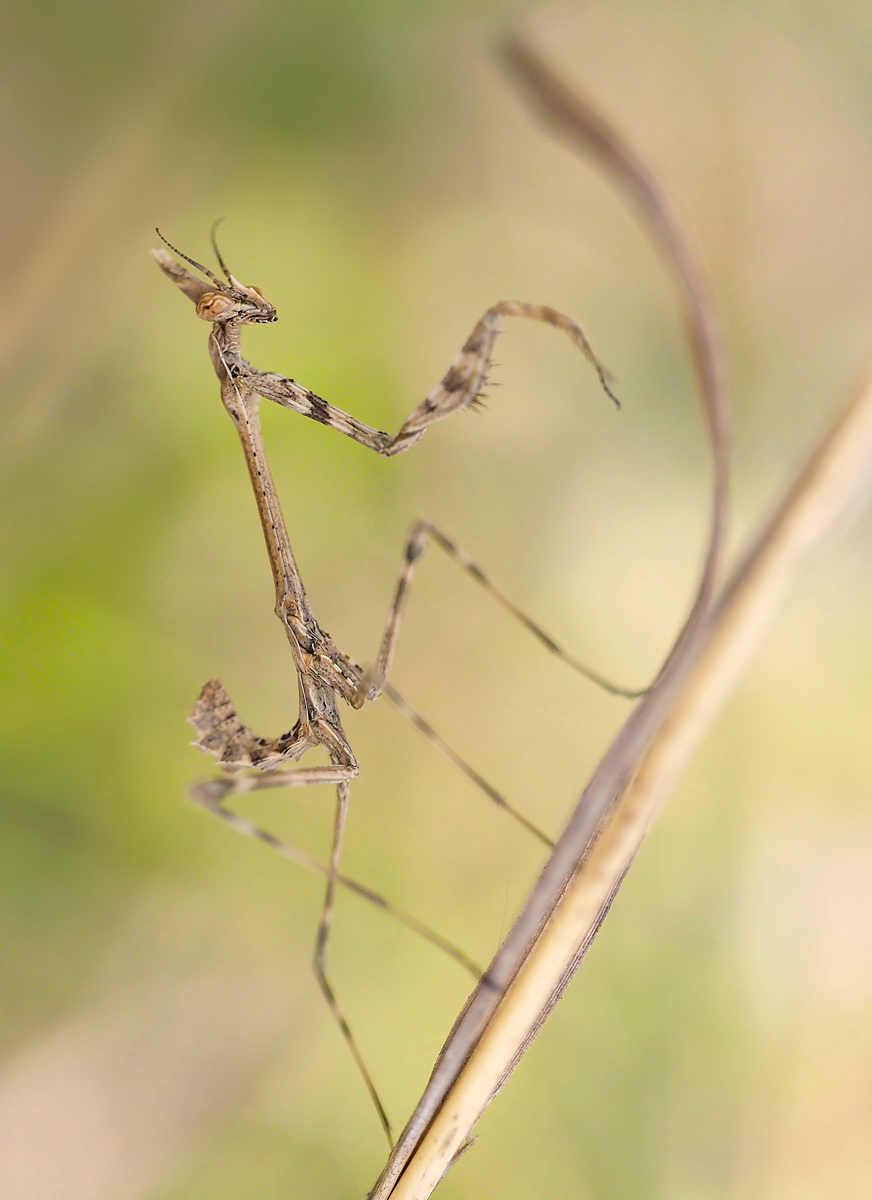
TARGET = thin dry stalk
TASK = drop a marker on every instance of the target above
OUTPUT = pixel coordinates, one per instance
(588, 132)
(837, 475)
(704, 666)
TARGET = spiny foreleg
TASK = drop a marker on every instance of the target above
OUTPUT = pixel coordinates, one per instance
(458, 389)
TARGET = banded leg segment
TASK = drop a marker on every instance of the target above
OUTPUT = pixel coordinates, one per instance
(319, 962)
(422, 534)
(211, 795)
(427, 730)
(290, 394)
(461, 385)
(206, 796)
(459, 388)
(222, 733)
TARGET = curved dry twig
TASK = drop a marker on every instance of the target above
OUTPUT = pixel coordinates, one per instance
(837, 473)
(589, 132)
(576, 120)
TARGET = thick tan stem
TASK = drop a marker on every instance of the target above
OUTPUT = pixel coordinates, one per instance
(836, 477)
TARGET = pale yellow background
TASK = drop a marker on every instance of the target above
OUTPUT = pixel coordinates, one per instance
(382, 183)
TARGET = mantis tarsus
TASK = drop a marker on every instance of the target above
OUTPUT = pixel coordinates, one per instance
(325, 674)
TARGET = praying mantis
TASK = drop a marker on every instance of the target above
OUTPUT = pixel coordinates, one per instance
(325, 674)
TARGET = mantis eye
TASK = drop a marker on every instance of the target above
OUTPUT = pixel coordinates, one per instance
(259, 292)
(213, 305)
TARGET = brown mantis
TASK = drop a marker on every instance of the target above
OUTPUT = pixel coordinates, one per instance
(325, 674)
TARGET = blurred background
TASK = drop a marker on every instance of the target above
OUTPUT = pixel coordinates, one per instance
(382, 182)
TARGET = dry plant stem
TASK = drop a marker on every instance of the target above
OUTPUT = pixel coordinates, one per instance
(837, 474)
(576, 121)
(587, 131)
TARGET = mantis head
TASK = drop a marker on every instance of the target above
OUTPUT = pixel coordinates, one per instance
(222, 301)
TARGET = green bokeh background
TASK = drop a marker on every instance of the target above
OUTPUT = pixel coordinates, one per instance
(162, 1035)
